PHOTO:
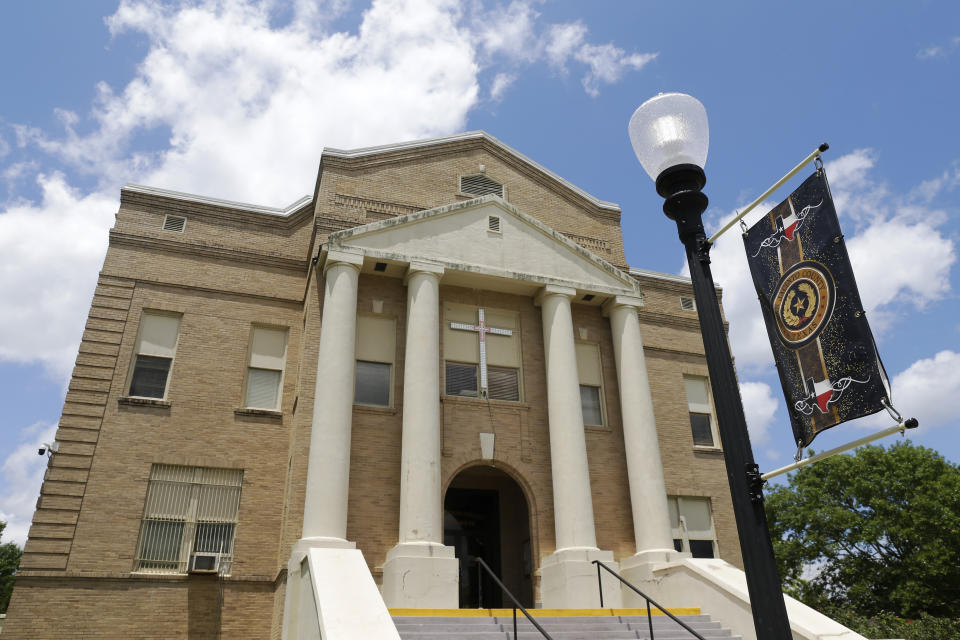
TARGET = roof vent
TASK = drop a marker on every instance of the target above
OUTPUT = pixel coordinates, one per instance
(493, 224)
(480, 185)
(174, 223)
(380, 266)
(687, 304)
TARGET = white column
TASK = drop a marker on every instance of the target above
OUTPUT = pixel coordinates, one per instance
(648, 494)
(328, 470)
(328, 467)
(572, 502)
(568, 579)
(420, 572)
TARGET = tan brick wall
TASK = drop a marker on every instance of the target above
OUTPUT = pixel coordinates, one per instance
(231, 269)
(62, 608)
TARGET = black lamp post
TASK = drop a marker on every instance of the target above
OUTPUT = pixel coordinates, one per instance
(670, 136)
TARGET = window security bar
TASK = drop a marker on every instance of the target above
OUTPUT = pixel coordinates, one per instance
(645, 597)
(516, 603)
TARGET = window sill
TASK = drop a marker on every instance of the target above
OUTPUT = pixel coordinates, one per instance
(373, 408)
(596, 427)
(136, 401)
(707, 450)
(260, 413)
(511, 404)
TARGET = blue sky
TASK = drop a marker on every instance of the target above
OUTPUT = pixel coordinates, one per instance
(237, 99)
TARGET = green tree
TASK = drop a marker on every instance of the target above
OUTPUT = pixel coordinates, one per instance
(9, 561)
(878, 531)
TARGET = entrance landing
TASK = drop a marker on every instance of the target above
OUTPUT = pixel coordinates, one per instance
(537, 613)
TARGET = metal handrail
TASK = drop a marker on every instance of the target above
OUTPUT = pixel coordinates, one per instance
(516, 603)
(645, 597)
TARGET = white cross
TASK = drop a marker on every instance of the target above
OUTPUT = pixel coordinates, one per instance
(483, 330)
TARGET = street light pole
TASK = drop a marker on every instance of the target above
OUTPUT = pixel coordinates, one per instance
(669, 135)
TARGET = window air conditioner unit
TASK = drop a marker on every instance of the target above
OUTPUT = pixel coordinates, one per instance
(204, 563)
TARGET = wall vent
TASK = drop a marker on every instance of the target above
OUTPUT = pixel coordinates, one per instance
(493, 224)
(480, 185)
(687, 304)
(174, 223)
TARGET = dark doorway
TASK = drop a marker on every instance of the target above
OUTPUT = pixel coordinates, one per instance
(486, 516)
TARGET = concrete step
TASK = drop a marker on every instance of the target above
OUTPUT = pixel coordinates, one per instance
(612, 627)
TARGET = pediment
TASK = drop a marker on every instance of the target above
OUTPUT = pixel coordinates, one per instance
(460, 238)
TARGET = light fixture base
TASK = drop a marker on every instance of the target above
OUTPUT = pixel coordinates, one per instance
(681, 186)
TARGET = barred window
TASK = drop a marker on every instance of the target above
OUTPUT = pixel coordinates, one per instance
(188, 511)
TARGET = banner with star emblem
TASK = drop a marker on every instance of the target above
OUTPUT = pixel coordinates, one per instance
(822, 343)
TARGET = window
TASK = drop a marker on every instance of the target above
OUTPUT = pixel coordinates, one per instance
(188, 510)
(462, 380)
(702, 423)
(691, 521)
(463, 362)
(268, 353)
(376, 350)
(155, 348)
(591, 383)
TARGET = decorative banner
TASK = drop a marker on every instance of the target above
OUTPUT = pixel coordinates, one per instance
(822, 344)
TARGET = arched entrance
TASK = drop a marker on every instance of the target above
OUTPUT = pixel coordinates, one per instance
(485, 514)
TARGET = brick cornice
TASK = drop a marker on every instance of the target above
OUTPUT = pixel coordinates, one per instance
(193, 249)
(150, 199)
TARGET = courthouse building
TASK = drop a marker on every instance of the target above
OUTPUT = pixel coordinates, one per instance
(441, 354)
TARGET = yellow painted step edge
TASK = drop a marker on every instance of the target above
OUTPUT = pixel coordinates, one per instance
(539, 613)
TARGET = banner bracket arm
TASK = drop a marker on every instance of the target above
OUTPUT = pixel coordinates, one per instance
(779, 183)
(911, 423)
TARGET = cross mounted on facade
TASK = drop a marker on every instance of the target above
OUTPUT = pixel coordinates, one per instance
(483, 330)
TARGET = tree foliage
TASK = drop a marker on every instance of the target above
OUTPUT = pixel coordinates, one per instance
(874, 532)
(9, 561)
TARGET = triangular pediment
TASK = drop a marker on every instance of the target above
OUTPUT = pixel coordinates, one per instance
(464, 239)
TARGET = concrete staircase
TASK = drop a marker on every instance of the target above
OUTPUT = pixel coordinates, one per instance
(601, 624)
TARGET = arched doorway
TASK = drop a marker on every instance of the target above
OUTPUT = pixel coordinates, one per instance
(485, 514)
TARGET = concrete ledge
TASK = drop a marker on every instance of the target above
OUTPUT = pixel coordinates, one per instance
(721, 591)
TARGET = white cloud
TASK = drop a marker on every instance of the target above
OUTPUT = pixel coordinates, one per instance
(898, 263)
(49, 257)
(760, 407)
(501, 82)
(931, 52)
(939, 50)
(606, 63)
(927, 390)
(22, 473)
(510, 32)
(562, 41)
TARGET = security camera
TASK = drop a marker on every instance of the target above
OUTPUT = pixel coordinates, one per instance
(49, 448)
